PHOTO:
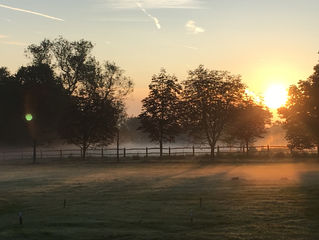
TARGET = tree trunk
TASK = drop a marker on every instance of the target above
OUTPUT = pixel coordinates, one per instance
(247, 148)
(161, 147)
(84, 152)
(118, 145)
(161, 134)
(318, 150)
(85, 147)
(212, 152)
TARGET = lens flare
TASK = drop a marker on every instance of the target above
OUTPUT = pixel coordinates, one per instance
(28, 117)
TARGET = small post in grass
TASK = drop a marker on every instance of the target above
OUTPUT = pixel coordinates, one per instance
(20, 218)
(64, 203)
(191, 216)
(200, 202)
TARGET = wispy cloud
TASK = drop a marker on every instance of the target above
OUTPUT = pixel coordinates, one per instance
(156, 3)
(30, 12)
(3, 36)
(156, 21)
(14, 43)
(190, 47)
(192, 28)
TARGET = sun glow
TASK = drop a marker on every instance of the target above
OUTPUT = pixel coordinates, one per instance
(276, 96)
(252, 95)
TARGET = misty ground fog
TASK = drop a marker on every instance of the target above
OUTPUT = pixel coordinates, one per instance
(166, 200)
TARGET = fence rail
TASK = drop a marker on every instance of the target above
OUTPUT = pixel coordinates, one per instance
(146, 152)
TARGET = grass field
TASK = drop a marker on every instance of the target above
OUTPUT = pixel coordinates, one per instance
(159, 201)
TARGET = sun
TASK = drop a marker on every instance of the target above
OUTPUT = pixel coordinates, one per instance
(275, 96)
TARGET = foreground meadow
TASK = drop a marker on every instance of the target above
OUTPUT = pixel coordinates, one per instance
(159, 201)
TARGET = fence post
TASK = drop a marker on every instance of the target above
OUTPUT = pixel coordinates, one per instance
(218, 151)
(268, 148)
(146, 151)
(193, 150)
(124, 152)
(20, 218)
(34, 151)
(102, 153)
(61, 154)
(169, 151)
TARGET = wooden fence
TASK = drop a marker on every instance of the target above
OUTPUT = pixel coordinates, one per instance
(120, 153)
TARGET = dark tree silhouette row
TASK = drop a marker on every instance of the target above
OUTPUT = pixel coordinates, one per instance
(74, 97)
(69, 93)
(213, 105)
(210, 105)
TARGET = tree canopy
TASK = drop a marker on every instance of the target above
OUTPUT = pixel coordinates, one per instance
(249, 122)
(209, 98)
(72, 60)
(301, 113)
(160, 109)
(67, 91)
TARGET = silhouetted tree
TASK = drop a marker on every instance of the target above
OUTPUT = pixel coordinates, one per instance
(72, 61)
(12, 129)
(159, 115)
(44, 97)
(301, 113)
(249, 122)
(4, 75)
(209, 98)
(97, 108)
(35, 90)
(96, 91)
(90, 121)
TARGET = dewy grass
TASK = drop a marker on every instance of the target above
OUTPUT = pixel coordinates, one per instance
(159, 201)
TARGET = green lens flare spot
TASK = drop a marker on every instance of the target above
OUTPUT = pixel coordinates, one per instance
(28, 117)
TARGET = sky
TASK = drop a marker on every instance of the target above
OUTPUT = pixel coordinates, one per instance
(264, 41)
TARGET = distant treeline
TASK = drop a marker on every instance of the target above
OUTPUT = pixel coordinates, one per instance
(69, 96)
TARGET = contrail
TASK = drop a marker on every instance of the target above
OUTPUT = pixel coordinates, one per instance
(156, 21)
(31, 12)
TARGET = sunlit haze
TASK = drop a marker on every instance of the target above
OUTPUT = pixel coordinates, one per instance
(267, 42)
